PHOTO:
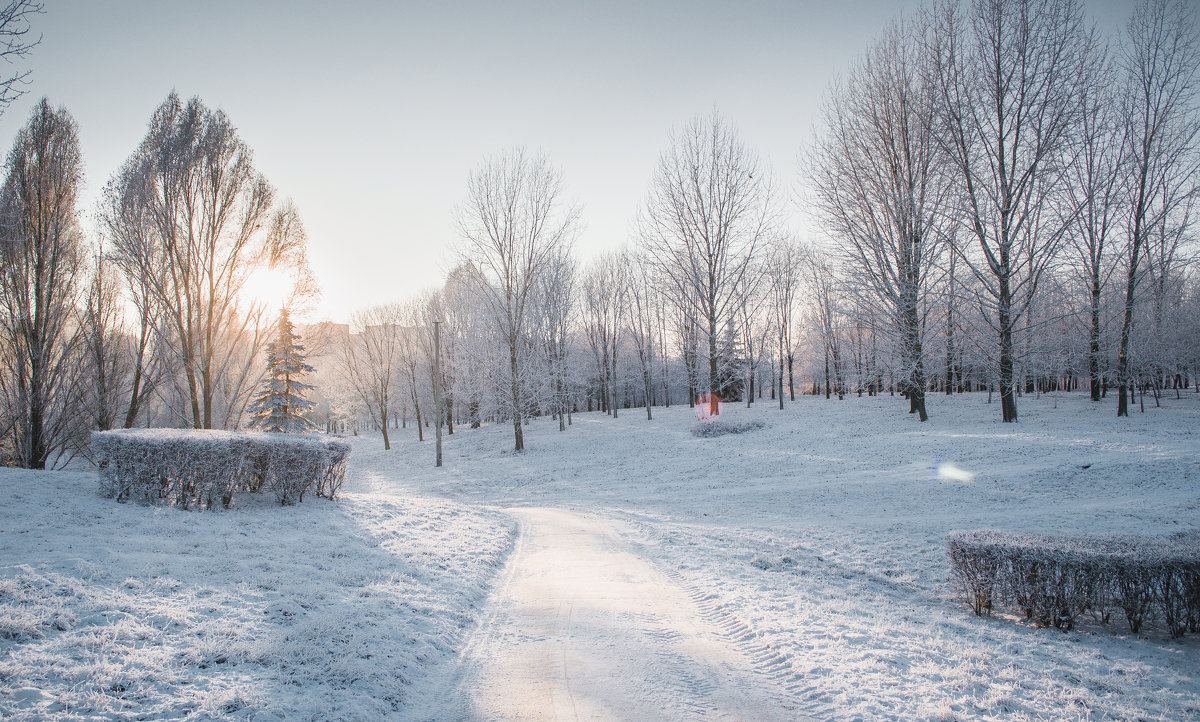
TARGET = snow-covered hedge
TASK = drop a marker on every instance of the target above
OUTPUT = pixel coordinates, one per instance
(721, 427)
(186, 468)
(1054, 579)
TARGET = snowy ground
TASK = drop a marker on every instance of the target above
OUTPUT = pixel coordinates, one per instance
(822, 535)
(317, 611)
(806, 557)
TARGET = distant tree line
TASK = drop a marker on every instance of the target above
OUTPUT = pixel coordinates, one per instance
(1004, 202)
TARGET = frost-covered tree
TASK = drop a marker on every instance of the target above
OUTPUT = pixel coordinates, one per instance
(280, 405)
(643, 326)
(605, 284)
(783, 269)
(41, 260)
(471, 347)
(710, 205)
(415, 346)
(190, 216)
(368, 362)
(105, 344)
(1008, 76)
(1095, 191)
(876, 176)
(556, 307)
(1161, 65)
(513, 223)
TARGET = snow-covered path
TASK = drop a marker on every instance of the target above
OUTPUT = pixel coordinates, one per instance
(580, 627)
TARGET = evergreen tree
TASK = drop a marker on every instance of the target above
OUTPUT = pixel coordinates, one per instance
(280, 405)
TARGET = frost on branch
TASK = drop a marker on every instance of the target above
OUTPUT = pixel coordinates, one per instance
(188, 468)
(1054, 579)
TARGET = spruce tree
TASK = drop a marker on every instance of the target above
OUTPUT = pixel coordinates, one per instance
(280, 405)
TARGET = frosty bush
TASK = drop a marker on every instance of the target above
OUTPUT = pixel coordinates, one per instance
(721, 427)
(1054, 579)
(187, 468)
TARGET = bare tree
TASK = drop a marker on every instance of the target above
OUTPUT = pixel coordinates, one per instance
(1161, 129)
(643, 324)
(42, 256)
(823, 286)
(662, 320)
(710, 205)
(469, 364)
(605, 285)
(1009, 74)
(1095, 191)
(415, 333)
(878, 187)
(431, 309)
(1167, 261)
(204, 223)
(106, 345)
(513, 223)
(556, 303)
(15, 44)
(687, 335)
(754, 328)
(127, 225)
(367, 362)
(783, 275)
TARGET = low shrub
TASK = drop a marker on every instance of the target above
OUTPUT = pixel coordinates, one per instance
(1055, 579)
(721, 427)
(189, 468)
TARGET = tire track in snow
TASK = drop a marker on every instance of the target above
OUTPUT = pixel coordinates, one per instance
(764, 658)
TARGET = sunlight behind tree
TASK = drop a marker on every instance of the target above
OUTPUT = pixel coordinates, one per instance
(271, 287)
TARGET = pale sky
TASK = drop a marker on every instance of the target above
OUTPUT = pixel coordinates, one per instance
(370, 115)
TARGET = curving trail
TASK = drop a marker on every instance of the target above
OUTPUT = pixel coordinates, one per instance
(581, 628)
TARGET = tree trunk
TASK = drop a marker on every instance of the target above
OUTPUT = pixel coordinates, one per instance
(559, 403)
(950, 332)
(1123, 352)
(828, 391)
(387, 444)
(131, 414)
(791, 379)
(515, 390)
(612, 386)
(1008, 401)
(190, 372)
(649, 391)
(713, 404)
(1094, 338)
(36, 448)
(781, 382)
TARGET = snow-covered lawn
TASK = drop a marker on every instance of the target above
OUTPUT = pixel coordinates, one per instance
(317, 611)
(823, 534)
(819, 537)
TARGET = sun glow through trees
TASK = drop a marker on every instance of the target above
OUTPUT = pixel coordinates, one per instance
(269, 287)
